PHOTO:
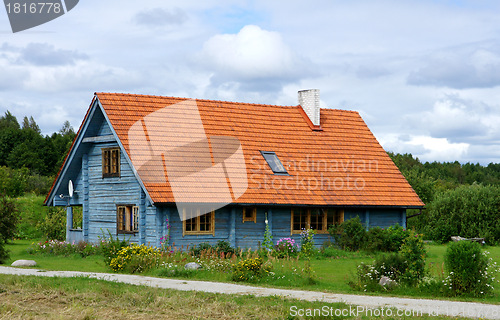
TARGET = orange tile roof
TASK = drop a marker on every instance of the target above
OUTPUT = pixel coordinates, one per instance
(343, 164)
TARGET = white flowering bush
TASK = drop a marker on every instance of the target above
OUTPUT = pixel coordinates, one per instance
(470, 271)
(392, 266)
(367, 278)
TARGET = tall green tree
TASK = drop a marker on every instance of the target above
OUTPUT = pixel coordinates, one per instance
(9, 121)
(31, 124)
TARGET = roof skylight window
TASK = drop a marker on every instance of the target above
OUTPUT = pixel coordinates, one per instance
(274, 162)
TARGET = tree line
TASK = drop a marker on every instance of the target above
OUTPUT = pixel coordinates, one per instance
(461, 199)
(28, 160)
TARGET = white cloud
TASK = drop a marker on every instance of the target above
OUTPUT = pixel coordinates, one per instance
(453, 118)
(424, 147)
(251, 54)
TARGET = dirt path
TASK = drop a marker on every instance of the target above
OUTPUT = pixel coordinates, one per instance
(360, 303)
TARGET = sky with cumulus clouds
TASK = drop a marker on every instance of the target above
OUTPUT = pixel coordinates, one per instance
(424, 75)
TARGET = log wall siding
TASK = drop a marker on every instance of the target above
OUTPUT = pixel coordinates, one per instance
(106, 193)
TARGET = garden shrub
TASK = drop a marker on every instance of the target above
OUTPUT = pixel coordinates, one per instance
(406, 266)
(84, 249)
(376, 239)
(335, 232)
(109, 247)
(470, 270)
(307, 250)
(224, 247)
(196, 250)
(250, 270)
(396, 235)
(53, 225)
(350, 234)
(392, 265)
(387, 240)
(285, 248)
(8, 222)
(413, 251)
(136, 258)
(367, 278)
(52, 247)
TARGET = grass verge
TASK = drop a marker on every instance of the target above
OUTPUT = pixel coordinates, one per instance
(26, 297)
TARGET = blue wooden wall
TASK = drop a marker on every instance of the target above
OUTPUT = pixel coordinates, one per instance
(221, 228)
(106, 193)
(251, 235)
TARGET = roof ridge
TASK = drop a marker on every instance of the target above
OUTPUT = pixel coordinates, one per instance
(216, 101)
(204, 100)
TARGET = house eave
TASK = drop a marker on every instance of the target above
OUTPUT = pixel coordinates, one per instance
(279, 205)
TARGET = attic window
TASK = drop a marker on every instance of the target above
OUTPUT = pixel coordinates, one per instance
(274, 162)
(110, 162)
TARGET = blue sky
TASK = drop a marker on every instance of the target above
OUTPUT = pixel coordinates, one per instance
(424, 75)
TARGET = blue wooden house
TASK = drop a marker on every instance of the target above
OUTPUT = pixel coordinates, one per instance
(222, 170)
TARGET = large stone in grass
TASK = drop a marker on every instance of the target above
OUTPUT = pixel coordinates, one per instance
(192, 266)
(24, 263)
(387, 282)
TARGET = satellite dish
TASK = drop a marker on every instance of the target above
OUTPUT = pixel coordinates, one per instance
(70, 188)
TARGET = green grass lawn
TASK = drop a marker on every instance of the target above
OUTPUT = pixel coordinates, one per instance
(18, 250)
(330, 273)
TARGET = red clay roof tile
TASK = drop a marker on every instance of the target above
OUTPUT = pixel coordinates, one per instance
(341, 165)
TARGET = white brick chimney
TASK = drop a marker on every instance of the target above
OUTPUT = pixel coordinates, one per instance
(309, 100)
